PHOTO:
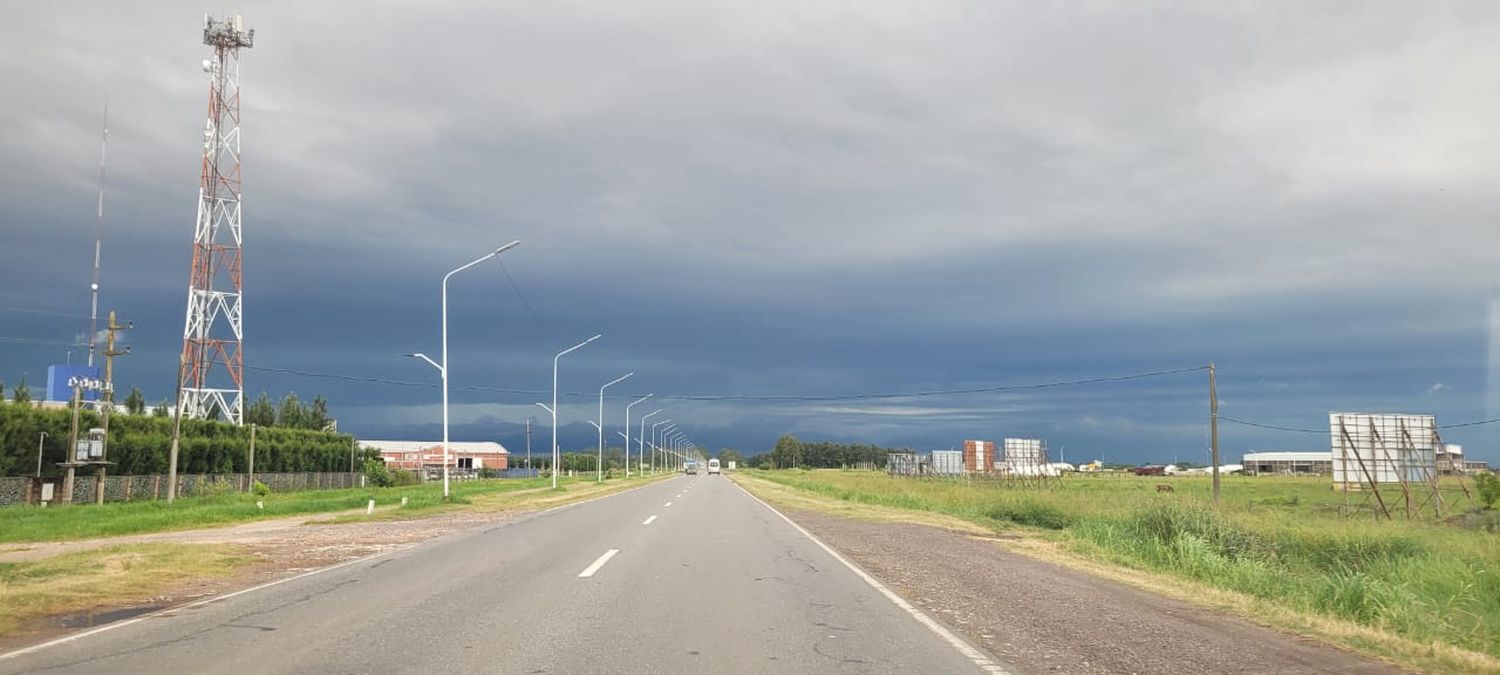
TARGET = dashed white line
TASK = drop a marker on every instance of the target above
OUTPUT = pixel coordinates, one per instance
(591, 569)
(649, 520)
(668, 504)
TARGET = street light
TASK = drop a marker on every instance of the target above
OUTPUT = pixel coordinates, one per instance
(443, 368)
(669, 438)
(553, 409)
(654, 444)
(599, 468)
(640, 438)
(627, 431)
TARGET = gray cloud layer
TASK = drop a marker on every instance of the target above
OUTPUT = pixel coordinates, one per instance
(798, 198)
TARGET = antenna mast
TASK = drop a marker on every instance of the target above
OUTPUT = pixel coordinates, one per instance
(98, 237)
(211, 373)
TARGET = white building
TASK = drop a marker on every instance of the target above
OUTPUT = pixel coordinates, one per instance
(428, 455)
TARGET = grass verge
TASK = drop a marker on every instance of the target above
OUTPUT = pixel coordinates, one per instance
(1423, 594)
(111, 577)
(88, 521)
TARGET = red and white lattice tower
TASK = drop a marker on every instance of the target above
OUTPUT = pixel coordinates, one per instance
(211, 374)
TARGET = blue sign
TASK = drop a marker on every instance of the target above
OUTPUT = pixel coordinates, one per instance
(58, 376)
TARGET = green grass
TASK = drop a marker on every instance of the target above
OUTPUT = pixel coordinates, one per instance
(115, 576)
(86, 521)
(1278, 539)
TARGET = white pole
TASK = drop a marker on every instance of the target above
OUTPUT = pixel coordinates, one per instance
(39, 443)
(599, 467)
(627, 431)
(656, 443)
(640, 438)
(443, 368)
(555, 360)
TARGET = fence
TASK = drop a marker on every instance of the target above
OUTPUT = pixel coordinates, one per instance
(22, 489)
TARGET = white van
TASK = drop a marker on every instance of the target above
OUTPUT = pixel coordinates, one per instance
(713, 466)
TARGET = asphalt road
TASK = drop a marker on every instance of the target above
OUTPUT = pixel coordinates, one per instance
(702, 578)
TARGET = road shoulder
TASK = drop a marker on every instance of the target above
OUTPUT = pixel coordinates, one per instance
(1039, 616)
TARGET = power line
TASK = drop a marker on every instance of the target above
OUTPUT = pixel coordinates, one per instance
(48, 312)
(943, 392)
(1274, 427)
(766, 397)
(40, 341)
(522, 296)
(1469, 424)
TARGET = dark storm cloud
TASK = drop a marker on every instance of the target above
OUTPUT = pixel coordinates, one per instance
(803, 198)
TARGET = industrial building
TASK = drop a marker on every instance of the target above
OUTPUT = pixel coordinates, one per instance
(464, 458)
(1288, 463)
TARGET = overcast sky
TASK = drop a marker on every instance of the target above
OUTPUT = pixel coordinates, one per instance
(792, 199)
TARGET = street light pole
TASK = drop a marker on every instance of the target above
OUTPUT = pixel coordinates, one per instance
(599, 467)
(553, 409)
(443, 367)
(39, 444)
(627, 431)
(640, 439)
(656, 442)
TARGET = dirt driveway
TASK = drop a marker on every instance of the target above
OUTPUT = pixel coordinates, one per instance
(1037, 617)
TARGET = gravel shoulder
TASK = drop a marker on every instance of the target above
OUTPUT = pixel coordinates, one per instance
(1038, 617)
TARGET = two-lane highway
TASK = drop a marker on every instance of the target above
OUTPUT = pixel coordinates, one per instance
(690, 574)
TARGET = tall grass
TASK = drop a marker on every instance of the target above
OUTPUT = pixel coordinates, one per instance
(1277, 539)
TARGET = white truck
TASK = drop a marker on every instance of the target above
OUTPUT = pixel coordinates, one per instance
(713, 466)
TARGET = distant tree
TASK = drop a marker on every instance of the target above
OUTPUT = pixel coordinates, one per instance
(261, 412)
(727, 455)
(318, 416)
(787, 453)
(22, 392)
(291, 415)
(2, 391)
(1488, 486)
(135, 402)
(160, 410)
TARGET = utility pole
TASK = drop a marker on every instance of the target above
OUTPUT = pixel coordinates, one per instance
(41, 442)
(67, 495)
(1213, 425)
(528, 443)
(250, 484)
(109, 398)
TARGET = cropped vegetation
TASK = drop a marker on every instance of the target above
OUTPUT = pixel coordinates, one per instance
(139, 443)
(1280, 540)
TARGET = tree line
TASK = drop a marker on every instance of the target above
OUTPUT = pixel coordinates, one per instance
(792, 453)
(139, 443)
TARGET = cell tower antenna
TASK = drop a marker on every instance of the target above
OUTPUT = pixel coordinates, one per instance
(211, 371)
(98, 237)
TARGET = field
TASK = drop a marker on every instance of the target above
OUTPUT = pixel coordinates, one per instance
(1279, 541)
(84, 521)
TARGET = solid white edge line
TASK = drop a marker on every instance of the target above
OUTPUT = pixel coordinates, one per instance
(983, 662)
(591, 569)
(650, 520)
(208, 601)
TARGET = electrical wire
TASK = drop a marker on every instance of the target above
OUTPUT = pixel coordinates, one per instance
(40, 341)
(772, 397)
(1274, 427)
(522, 296)
(48, 312)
